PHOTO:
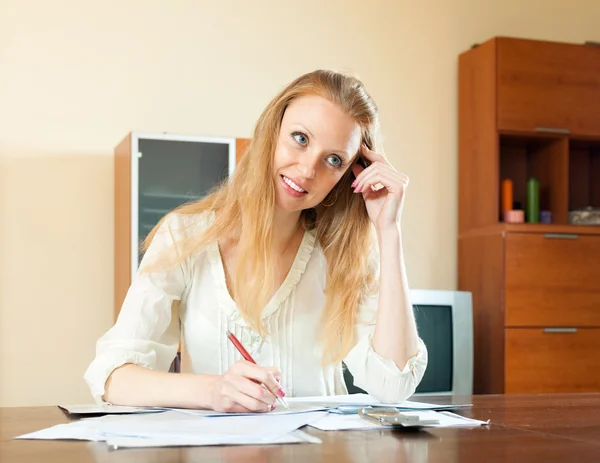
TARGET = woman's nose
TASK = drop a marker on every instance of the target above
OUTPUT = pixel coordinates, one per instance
(307, 166)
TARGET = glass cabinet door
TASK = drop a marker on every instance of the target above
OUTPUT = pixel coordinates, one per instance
(174, 172)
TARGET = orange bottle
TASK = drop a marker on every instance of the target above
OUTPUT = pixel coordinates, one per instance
(507, 195)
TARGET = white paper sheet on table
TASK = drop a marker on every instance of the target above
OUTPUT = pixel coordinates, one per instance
(106, 409)
(158, 427)
(77, 430)
(365, 400)
(295, 408)
(293, 437)
(297, 405)
(173, 428)
(337, 422)
(349, 402)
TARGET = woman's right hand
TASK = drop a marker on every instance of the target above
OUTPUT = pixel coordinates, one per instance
(240, 389)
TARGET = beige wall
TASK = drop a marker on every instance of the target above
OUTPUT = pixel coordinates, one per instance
(76, 76)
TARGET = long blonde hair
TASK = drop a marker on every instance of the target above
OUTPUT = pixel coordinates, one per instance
(244, 207)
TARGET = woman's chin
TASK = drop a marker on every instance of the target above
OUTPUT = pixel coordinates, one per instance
(291, 206)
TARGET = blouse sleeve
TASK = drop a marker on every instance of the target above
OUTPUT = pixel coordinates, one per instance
(381, 377)
(147, 329)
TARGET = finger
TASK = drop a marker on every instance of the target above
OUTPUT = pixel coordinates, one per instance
(395, 183)
(363, 179)
(372, 155)
(237, 408)
(375, 178)
(255, 390)
(251, 395)
(226, 403)
(234, 407)
(376, 166)
(276, 372)
(366, 171)
(237, 400)
(395, 179)
(261, 375)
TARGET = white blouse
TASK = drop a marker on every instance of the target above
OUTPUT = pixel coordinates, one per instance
(194, 296)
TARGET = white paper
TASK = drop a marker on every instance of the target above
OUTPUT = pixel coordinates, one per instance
(173, 428)
(365, 400)
(106, 409)
(295, 407)
(340, 399)
(337, 422)
(78, 430)
(174, 424)
(453, 419)
(294, 437)
(349, 403)
(410, 405)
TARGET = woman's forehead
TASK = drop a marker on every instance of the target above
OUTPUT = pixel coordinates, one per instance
(326, 123)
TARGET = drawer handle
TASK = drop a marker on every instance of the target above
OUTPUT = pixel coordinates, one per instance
(561, 236)
(551, 130)
(560, 330)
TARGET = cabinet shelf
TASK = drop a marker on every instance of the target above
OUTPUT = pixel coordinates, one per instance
(584, 173)
(568, 170)
(540, 228)
(541, 157)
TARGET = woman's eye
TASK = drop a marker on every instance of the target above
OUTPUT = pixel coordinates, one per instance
(335, 160)
(300, 138)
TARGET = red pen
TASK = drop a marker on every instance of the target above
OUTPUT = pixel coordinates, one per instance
(238, 345)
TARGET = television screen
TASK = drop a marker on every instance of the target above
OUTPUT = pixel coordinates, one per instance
(434, 323)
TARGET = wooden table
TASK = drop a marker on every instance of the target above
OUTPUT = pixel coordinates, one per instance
(524, 428)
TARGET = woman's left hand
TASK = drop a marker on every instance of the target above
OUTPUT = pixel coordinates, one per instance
(385, 203)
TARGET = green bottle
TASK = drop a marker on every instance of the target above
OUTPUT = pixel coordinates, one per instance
(533, 200)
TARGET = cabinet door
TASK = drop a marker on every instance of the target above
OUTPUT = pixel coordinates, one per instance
(551, 360)
(548, 86)
(552, 280)
(173, 172)
(154, 173)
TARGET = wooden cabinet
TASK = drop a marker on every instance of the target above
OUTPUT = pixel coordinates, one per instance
(552, 360)
(548, 87)
(552, 279)
(530, 109)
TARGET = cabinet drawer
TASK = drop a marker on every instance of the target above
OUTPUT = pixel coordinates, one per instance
(538, 361)
(552, 280)
(548, 85)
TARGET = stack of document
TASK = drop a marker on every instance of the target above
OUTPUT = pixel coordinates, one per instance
(123, 427)
(172, 428)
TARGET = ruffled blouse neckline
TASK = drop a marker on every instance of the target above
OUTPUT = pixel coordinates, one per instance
(228, 305)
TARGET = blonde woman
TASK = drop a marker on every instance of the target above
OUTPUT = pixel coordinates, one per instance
(299, 255)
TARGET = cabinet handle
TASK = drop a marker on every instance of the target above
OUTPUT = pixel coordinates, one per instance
(560, 330)
(561, 236)
(551, 130)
